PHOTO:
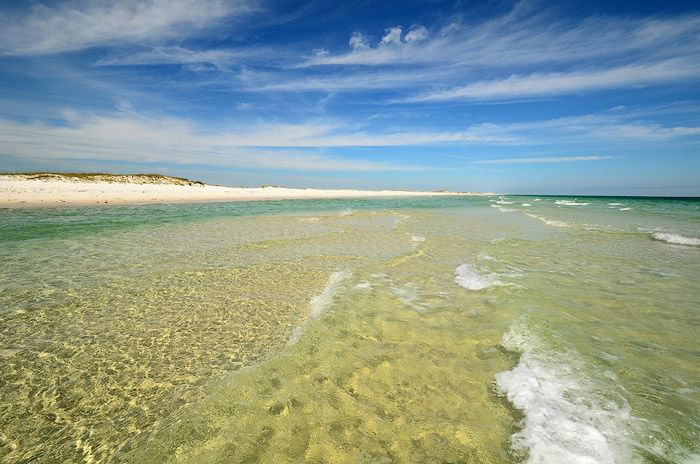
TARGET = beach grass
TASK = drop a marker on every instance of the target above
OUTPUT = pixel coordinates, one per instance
(103, 177)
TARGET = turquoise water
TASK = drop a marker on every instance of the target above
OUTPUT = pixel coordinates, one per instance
(448, 329)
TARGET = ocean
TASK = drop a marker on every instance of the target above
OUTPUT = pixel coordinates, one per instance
(512, 329)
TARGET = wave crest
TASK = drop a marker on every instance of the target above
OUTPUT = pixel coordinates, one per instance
(676, 239)
(549, 222)
(570, 203)
(566, 418)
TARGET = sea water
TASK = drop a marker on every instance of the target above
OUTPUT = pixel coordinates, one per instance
(414, 330)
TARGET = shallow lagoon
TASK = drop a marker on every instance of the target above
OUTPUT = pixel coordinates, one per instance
(515, 329)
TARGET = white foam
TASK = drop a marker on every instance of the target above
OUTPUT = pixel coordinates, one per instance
(549, 222)
(503, 202)
(567, 419)
(570, 203)
(417, 238)
(410, 295)
(676, 239)
(625, 209)
(468, 276)
(537, 199)
(526, 204)
(614, 204)
(322, 301)
(502, 209)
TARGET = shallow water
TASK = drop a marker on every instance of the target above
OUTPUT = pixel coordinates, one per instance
(450, 329)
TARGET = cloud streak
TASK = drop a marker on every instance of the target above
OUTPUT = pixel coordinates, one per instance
(561, 159)
(553, 84)
(176, 54)
(518, 55)
(522, 38)
(139, 139)
(79, 24)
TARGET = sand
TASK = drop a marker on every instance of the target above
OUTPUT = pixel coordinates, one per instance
(18, 191)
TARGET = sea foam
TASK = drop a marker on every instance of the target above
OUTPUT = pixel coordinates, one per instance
(567, 418)
(676, 239)
(321, 302)
(502, 209)
(549, 222)
(468, 276)
(570, 203)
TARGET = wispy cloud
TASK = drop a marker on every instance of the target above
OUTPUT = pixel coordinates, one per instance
(79, 24)
(138, 139)
(176, 54)
(129, 135)
(342, 82)
(523, 54)
(561, 159)
(552, 84)
(522, 37)
(590, 128)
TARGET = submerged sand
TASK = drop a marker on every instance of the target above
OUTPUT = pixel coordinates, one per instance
(59, 189)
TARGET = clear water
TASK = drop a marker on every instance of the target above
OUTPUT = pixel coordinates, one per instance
(451, 329)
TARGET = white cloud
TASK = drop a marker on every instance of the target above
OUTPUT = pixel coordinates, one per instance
(78, 24)
(358, 41)
(392, 37)
(519, 39)
(538, 84)
(562, 159)
(416, 34)
(518, 55)
(130, 137)
(311, 135)
(139, 139)
(607, 128)
(522, 54)
(175, 54)
(344, 81)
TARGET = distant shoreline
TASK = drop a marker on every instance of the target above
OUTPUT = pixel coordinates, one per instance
(52, 189)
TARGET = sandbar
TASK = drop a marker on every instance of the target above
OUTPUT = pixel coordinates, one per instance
(32, 190)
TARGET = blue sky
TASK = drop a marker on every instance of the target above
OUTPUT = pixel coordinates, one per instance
(564, 97)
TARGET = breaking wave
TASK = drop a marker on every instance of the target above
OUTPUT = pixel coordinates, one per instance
(549, 222)
(676, 239)
(570, 203)
(568, 418)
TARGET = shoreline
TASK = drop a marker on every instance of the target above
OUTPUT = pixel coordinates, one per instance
(24, 192)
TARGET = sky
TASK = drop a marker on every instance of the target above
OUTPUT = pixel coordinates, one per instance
(569, 97)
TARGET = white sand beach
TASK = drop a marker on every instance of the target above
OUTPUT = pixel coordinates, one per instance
(16, 189)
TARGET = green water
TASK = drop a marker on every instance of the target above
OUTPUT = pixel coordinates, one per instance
(447, 329)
